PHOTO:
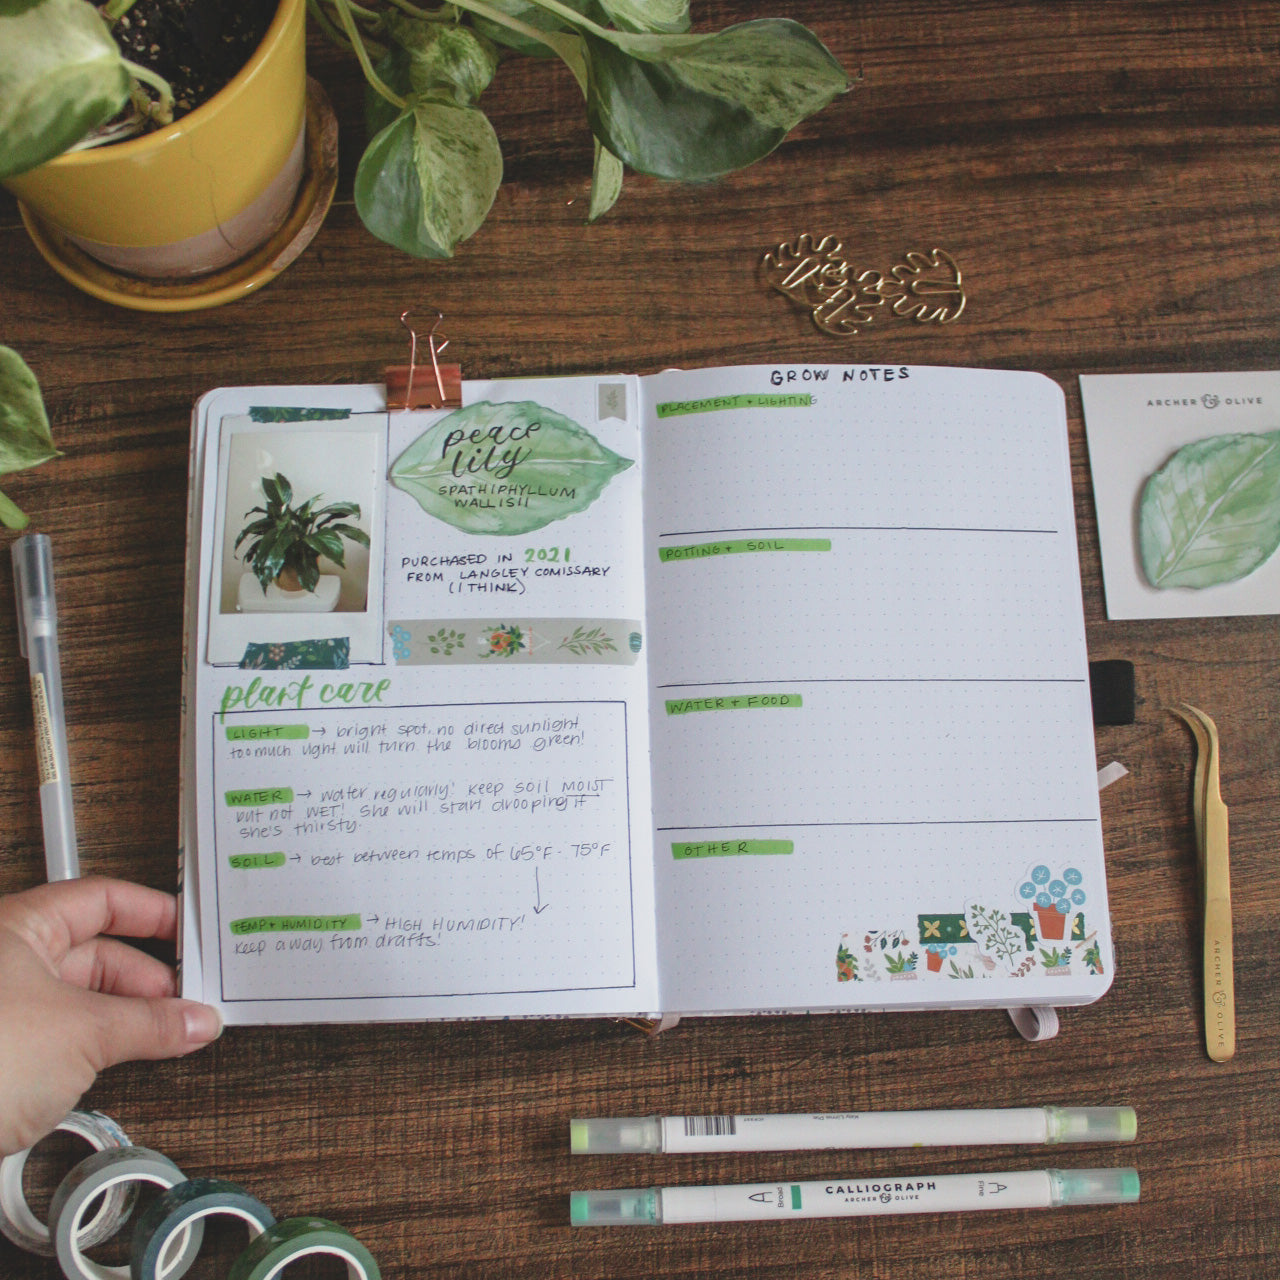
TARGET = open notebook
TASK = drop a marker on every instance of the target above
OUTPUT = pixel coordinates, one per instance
(719, 691)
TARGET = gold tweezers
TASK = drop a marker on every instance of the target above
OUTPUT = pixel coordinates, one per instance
(1210, 816)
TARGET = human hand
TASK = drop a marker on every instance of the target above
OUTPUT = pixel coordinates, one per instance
(74, 1001)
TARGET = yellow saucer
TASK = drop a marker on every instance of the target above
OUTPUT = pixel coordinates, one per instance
(315, 194)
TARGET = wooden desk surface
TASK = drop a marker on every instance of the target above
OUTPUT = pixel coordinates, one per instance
(1108, 176)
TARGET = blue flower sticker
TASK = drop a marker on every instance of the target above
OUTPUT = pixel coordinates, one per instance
(1058, 888)
(1026, 890)
(1077, 896)
(1072, 876)
(1044, 900)
(1040, 874)
(1064, 906)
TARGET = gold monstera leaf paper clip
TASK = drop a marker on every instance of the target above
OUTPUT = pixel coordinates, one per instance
(815, 274)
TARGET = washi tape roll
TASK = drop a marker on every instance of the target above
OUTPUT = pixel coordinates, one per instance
(20, 1225)
(92, 1177)
(177, 1209)
(295, 1238)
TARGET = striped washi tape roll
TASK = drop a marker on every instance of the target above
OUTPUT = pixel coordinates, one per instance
(295, 1238)
(96, 1174)
(20, 1225)
(177, 1209)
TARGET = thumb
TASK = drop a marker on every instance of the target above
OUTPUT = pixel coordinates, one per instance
(132, 1028)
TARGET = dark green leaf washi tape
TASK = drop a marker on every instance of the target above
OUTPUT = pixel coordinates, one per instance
(295, 1238)
(179, 1208)
(92, 1177)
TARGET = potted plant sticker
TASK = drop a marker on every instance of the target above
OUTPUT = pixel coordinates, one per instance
(935, 953)
(1053, 900)
(287, 542)
(1057, 963)
(901, 966)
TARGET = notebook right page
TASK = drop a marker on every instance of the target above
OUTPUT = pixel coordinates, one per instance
(874, 772)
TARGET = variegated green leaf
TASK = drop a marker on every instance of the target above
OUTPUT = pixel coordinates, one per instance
(698, 107)
(444, 57)
(1211, 514)
(428, 179)
(648, 15)
(505, 468)
(606, 182)
(25, 438)
(61, 76)
(12, 516)
(530, 14)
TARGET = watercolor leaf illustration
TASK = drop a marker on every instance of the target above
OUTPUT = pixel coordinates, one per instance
(505, 468)
(1211, 514)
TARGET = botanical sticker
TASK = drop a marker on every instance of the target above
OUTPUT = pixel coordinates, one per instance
(1039, 927)
(505, 468)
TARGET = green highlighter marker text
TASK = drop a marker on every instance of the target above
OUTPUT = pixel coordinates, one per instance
(261, 795)
(733, 702)
(715, 404)
(255, 861)
(729, 848)
(741, 546)
(266, 732)
(295, 924)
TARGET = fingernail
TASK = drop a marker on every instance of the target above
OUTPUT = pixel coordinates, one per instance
(203, 1023)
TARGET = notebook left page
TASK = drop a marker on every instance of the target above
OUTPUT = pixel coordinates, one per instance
(415, 744)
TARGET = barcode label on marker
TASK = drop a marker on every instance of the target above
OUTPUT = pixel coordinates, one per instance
(710, 1126)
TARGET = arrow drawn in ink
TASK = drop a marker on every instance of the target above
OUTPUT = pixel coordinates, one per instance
(541, 907)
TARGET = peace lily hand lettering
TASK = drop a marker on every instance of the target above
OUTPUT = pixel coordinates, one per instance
(815, 274)
(505, 468)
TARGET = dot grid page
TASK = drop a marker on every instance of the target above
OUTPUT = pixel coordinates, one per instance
(874, 774)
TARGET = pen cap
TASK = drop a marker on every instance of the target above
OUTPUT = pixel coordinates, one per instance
(33, 586)
(1094, 1186)
(615, 1137)
(629, 1208)
(1091, 1124)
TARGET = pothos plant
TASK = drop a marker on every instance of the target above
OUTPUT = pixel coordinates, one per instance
(659, 99)
(287, 541)
(64, 82)
(25, 438)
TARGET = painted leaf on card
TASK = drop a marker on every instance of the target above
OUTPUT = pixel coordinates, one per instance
(1211, 514)
(505, 468)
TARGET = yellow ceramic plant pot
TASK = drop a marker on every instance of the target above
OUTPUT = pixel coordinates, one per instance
(200, 193)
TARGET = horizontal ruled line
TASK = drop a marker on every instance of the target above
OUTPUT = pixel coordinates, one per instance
(774, 680)
(851, 528)
(913, 822)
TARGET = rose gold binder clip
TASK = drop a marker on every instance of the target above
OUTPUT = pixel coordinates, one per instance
(411, 387)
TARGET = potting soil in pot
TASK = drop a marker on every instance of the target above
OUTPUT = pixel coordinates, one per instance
(196, 45)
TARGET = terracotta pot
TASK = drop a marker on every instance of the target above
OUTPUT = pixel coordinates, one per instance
(1052, 922)
(200, 193)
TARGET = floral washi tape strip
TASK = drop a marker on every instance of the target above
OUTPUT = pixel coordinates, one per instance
(426, 642)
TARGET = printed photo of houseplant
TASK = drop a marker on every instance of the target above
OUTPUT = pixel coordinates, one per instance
(286, 542)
